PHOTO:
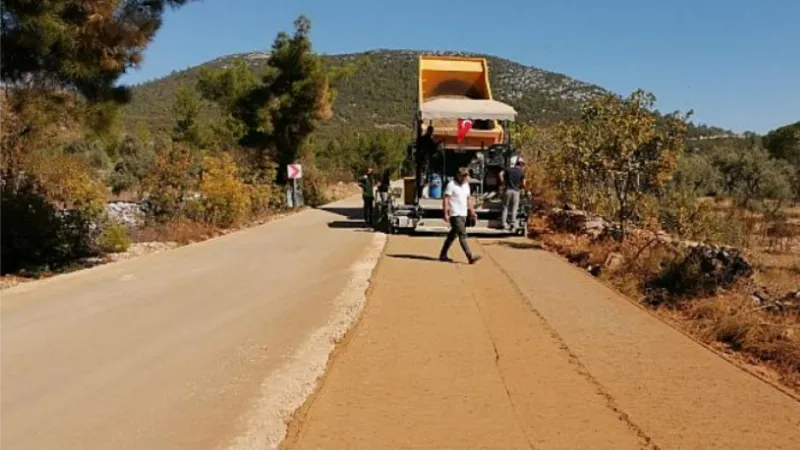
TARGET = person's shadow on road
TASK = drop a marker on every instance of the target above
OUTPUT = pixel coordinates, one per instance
(408, 256)
(349, 224)
(348, 212)
(420, 258)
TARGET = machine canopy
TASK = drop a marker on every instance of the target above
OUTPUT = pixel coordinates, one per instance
(466, 108)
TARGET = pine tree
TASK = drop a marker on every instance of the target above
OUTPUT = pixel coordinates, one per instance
(77, 45)
(279, 112)
(186, 109)
(295, 94)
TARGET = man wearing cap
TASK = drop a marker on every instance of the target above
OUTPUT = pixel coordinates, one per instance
(458, 205)
(514, 180)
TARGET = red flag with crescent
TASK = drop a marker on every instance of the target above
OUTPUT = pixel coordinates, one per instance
(464, 125)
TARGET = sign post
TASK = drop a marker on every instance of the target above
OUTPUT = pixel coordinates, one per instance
(294, 172)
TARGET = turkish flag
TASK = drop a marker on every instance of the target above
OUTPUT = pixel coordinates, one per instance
(464, 125)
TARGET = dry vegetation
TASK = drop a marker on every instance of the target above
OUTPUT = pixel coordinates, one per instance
(66, 153)
(704, 233)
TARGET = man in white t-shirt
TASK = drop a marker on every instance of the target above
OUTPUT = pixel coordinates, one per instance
(458, 205)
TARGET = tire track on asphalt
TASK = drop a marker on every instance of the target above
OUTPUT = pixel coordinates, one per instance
(496, 359)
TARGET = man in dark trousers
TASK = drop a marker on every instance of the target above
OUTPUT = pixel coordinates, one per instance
(458, 205)
(366, 182)
(514, 181)
(384, 185)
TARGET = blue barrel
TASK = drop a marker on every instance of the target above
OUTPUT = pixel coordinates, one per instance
(435, 187)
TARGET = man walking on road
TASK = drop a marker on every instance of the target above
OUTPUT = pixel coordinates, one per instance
(367, 194)
(514, 180)
(458, 206)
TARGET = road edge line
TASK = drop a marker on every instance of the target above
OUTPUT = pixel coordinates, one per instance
(286, 390)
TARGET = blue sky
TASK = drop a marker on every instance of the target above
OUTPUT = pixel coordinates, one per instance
(736, 63)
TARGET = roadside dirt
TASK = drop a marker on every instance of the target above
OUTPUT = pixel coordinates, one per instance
(459, 356)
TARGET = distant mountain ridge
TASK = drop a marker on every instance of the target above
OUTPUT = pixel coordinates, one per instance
(382, 91)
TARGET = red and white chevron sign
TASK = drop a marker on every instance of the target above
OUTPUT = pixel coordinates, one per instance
(294, 171)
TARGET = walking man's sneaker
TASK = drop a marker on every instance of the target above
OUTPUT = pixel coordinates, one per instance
(474, 259)
(445, 259)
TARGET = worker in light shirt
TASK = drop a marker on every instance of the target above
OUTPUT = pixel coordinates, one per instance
(458, 207)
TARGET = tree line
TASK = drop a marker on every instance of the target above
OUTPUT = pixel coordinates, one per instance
(623, 161)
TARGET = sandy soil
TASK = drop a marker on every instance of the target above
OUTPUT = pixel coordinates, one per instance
(524, 351)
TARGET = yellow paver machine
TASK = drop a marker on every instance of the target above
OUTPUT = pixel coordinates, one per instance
(457, 124)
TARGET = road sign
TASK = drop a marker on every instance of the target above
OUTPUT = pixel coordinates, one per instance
(294, 171)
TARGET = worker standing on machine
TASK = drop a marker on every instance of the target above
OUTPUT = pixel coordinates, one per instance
(384, 184)
(367, 182)
(514, 181)
(458, 207)
(426, 147)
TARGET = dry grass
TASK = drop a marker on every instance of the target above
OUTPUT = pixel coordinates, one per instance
(124, 196)
(772, 340)
(776, 272)
(7, 281)
(341, 190)
(642, 258)
(182, 231)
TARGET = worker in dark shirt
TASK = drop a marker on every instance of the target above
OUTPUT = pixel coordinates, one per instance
(367, 181)
(426, 142)
(514, 181)
(384, 184)
(426, 147)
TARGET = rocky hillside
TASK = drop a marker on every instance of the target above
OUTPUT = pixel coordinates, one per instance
(381, 91)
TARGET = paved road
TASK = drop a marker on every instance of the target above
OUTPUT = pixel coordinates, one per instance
(176, 350)
(524, 351)
(211, 346)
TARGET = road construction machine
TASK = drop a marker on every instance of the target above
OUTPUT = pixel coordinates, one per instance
(456, 124)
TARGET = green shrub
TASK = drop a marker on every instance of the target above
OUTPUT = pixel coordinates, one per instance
(114, 239)
(313, 185)
(36, 234)
(263, 197)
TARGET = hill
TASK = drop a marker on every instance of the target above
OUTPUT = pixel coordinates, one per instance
(381, 91)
